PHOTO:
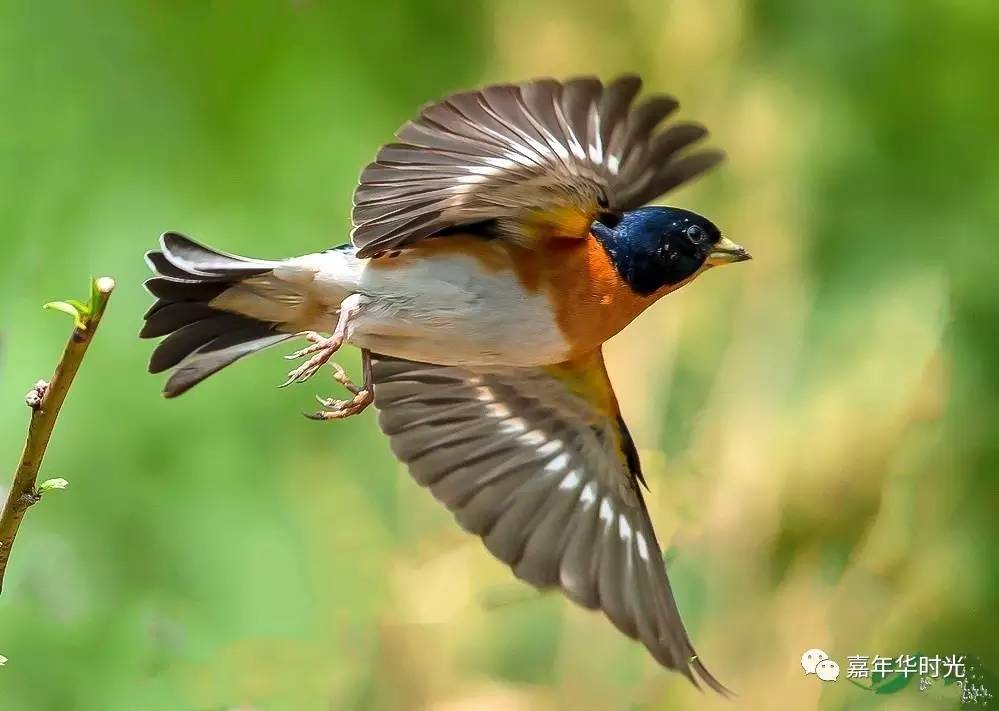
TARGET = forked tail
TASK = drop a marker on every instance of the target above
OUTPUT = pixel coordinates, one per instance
(203, 301)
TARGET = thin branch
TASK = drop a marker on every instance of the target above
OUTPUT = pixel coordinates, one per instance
(45, 401)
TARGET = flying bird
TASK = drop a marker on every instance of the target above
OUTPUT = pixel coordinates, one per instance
(496, 245)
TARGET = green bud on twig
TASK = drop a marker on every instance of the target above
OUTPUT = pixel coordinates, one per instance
(52, 485)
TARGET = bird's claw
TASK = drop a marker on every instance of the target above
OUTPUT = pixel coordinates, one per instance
(340, 409)
(318, 341)
(321, 350)
(340, 375)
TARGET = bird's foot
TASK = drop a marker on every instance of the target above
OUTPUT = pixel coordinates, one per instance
(340, 375)
(334, 409)
(321, 350)
(342, 409)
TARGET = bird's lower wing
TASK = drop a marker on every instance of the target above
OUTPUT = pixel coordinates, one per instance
(539, 464)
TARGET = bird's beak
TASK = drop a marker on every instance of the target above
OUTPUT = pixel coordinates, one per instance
(726, 251)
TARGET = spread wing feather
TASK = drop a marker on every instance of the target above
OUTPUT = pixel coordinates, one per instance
(524, 155)
(539, 473)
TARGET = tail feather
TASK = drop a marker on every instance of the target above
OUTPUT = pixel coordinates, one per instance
(194, 258)
(201, 339)
(158, 262)
(203, 336)
(171, 290)
(169, 317)
(199, 367)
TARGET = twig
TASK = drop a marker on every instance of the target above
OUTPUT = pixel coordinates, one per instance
(45, 401)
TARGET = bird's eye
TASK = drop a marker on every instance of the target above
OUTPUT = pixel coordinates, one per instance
(696, 234)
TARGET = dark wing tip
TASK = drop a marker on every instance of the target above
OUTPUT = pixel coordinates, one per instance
(709, 679)
(626, 78)
(693, 165)
(711, 157)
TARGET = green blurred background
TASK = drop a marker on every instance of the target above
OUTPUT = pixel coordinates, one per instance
(819, 426)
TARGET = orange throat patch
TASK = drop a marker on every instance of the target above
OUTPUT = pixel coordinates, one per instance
(591, 301)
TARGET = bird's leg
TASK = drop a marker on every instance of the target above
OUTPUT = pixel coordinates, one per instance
(322, 349)
(363, 394)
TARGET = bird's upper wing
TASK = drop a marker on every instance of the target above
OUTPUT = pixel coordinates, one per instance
(543, 158)
(538, 462)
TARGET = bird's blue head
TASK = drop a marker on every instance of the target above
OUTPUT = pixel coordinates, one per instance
(655, 247)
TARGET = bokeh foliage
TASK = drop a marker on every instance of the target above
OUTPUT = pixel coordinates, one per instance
(819, 426)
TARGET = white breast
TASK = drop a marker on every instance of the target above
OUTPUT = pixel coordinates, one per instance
(445, 308)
